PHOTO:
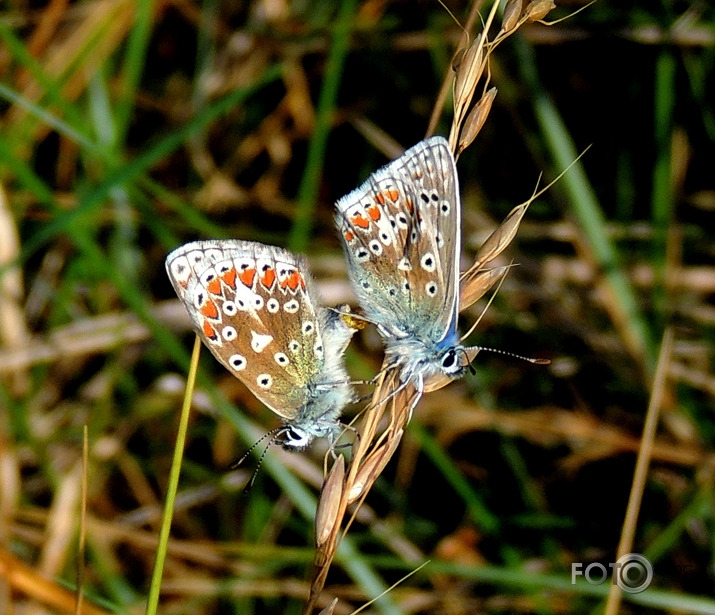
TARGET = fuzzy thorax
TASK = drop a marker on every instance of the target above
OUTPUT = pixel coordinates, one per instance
(419, 361)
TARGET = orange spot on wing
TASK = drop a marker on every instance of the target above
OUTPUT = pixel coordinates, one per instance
(410, 205)
(348, 236)
(360, 221)
(229, 278)
(374, 212)
(268, 278)
(214, 286)
(380, 198)
(246, 277)
(209, 310)
(393, 195)
(293, 280)
(209, 330)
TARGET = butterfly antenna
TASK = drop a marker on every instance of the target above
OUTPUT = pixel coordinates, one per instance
(276, 434)
(534, 360)
(272, 432)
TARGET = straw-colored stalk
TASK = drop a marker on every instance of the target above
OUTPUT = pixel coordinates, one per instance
(384, 420)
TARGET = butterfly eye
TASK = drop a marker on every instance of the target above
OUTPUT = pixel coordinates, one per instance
(295, 439)
(449, 362)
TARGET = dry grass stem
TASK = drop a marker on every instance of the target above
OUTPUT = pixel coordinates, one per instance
(386, 417)
(645, 450)
(25, 579)
(14, 331)
(472, 65)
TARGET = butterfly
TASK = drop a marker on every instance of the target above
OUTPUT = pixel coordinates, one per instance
(401, 237)
(254, 307)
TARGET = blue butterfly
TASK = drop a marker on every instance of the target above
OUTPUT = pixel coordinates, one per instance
(255, 309)
(401, 236)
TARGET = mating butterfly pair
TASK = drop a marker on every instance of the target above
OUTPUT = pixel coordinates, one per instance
(254, 308)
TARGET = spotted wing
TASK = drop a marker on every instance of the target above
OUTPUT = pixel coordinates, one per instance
(252, 306)
(401, 235)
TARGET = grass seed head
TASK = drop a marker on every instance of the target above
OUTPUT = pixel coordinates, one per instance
(537, 10)
(329, 503)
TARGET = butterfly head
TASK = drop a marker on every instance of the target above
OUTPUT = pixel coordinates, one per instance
(319, 418)
(420, 361)
(295, 438)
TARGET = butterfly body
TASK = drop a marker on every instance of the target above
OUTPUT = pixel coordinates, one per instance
(254, 308)
(401, 236)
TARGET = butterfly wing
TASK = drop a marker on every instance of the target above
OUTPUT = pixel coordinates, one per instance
(252, 306)
(401, 234)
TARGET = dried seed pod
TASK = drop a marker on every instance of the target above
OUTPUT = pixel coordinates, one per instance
(475, 120)
(512, 12)
(467, 77)
(329, 503)
(330, 609)
(457, 59)
(502, 236)
(373, 466)
(476, 283)
(537, 10)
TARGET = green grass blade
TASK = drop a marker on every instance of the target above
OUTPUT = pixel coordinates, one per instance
(310, 183)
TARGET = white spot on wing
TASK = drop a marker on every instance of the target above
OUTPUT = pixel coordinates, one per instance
(180, 269)
(264, 381)
(428, 263)
(291, 306)
(238, 362)
(229, 308)
(259, 342)
(362, 255)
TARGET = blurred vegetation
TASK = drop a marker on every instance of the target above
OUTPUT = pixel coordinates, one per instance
(129, 127)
